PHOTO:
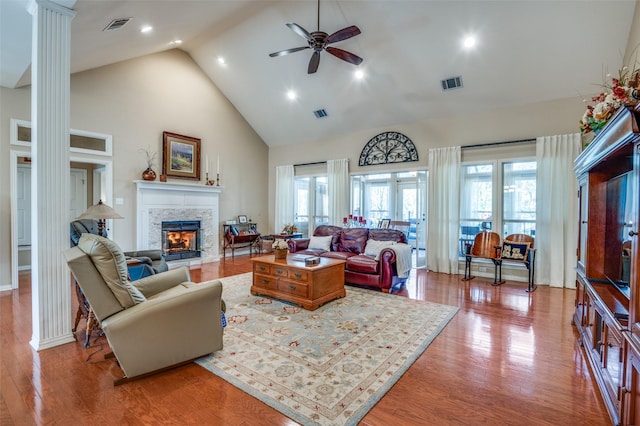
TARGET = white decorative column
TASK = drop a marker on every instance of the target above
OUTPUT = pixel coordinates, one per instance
(50, 93)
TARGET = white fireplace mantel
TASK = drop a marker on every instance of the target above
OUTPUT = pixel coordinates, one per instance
(166, 201)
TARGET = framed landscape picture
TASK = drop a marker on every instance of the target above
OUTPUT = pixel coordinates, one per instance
(180, 156)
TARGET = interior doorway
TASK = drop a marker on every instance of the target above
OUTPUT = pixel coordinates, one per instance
(90, 178)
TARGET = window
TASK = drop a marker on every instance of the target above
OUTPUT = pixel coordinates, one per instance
(311, 203)
(519, 198)
(504, 202)
(397, 196)
(79, 140)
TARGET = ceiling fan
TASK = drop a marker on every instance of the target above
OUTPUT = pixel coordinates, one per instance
(319, 41)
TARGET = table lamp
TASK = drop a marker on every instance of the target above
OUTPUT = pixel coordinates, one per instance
(100, 212)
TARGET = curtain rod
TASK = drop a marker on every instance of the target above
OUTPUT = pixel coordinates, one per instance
(310, 164)
(481, 145)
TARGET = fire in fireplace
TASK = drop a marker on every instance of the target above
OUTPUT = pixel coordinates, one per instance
(181, 239)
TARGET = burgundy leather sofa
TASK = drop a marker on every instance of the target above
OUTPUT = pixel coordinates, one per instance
(349, 244)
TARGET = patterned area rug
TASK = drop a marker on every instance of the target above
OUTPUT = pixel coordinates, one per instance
(322, 367)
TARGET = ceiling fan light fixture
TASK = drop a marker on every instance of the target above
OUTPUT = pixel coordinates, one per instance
(319, 41)
(469, 42)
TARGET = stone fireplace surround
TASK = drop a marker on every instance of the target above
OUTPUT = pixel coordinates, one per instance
(157, 202)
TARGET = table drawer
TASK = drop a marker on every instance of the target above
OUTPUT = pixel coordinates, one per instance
(265, 281)
(293, 288)
(279, 271)
(261, 268)
(299, 275)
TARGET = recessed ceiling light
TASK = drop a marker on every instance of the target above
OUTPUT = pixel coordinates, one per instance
(177, 41)
(291, 95)
(221, 61)
(359, 74)
(146, 29)
(469, 42)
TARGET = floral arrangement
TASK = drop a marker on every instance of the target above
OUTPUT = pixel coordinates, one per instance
(620, 91)
(289, 229)
(279, 244)
(150, 157)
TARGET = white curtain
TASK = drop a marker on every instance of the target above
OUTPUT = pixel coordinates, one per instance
(338, 189)
(285, 188)
(444, 210)
(556, 210)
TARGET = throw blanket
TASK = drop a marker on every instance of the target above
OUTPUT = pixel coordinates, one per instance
(403, 259)
(403, 254)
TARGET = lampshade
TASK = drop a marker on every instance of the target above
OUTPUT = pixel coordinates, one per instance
(100, 211)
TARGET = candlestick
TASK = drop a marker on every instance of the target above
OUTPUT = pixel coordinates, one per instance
(207, 181)
(207, 164)
(218, 168)
(217, 179)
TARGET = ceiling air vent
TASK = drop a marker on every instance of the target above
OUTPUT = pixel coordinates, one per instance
(320, 113)
(116, 24)
(451, 83)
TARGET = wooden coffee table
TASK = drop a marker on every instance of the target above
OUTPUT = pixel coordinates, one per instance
(289, 279)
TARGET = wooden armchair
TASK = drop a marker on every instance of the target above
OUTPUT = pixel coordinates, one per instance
(516, 248)
(529, 259)
(486, 245)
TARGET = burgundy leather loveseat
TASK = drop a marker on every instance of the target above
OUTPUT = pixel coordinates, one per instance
(349, 244)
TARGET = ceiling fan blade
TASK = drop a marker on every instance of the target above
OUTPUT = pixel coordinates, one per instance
(344, 55)
(300, 31)
(287, 51)
(314, 62)
(343, 34)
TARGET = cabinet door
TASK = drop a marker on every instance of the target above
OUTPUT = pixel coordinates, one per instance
(634, 259)
(612, 364)
(580, 316)
(592, 323)
(583, 206)
(631, 387)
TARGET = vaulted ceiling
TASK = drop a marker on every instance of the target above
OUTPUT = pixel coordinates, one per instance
(526, 51)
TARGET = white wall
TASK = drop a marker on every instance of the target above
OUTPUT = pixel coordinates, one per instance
(135, 101)
(524, 122)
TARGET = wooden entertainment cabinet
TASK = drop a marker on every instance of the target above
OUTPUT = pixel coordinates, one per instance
(607, 307)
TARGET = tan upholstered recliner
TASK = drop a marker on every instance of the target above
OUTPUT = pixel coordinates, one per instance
(156, 322)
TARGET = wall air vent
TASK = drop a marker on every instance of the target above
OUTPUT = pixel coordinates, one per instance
(116, 24)
(451, 83)
(320, 113)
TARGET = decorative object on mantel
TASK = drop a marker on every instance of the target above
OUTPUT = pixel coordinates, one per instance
(216, 181)
(280, 249)
(180, 156)
(150, 157)
(388, 147)
(618, 92)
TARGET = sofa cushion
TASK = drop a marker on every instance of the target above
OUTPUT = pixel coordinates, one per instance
(110, 262)
(387, 235)
(323, 243)
(342, 255)
(362, 263)
(334, 231)
(354, 240)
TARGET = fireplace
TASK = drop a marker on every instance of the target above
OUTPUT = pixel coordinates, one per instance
(181, 239)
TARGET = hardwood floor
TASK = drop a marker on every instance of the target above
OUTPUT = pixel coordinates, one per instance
(508, 357)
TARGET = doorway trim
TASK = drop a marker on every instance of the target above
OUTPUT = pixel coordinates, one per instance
(13, 182)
